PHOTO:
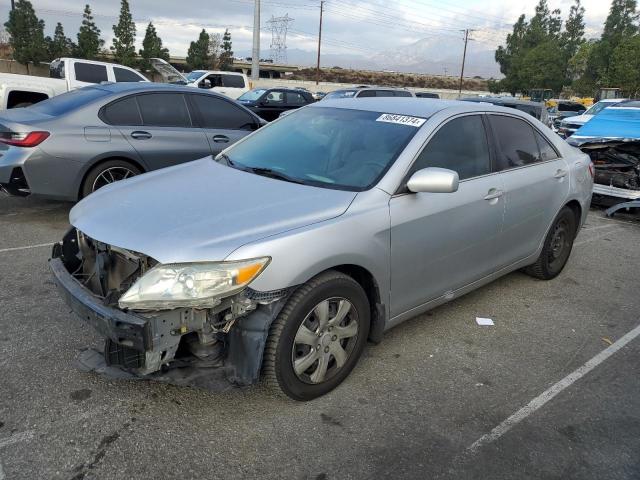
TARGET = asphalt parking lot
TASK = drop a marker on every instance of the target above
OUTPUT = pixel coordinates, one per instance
(422, 404)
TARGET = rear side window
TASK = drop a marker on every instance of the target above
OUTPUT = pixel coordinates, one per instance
(547, 152)
(400, 93)
(164, 110)
(385, 93)
(123, 112)
(516, 141)
(217, 113)
(233, 81)
(295, 98)
(90, 73)
(460, 145)
(367, 93)
(124, 75)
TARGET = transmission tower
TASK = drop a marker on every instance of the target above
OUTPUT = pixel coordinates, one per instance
(279, 27)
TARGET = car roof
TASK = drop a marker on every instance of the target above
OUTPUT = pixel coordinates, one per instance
(412, 106)
(121, 87)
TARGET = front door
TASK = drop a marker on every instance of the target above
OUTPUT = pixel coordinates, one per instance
(223, 121)
(441, 242)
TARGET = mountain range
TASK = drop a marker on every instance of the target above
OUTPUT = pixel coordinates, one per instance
(430, 55)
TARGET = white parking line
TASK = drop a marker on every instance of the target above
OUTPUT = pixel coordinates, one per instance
(547, 395)
(13, 249)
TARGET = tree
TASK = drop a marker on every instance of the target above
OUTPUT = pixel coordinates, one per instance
(573, 35)
(543, 66)
(625, 66)
(124, 50)
(226, 57)
(198, 53)
(152, 48)
(619, 25)
(60, 45)
(579, 72)
(89, 41)
(27, 33)
(215, 50)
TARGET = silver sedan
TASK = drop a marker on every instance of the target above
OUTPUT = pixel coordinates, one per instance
(326, 228)
(71, 145)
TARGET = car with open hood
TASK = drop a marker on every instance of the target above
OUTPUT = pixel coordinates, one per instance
(285, 253)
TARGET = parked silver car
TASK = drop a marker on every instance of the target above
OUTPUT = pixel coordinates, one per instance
(71, 145)
(318, 232)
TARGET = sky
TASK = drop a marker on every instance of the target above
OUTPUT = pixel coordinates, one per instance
(351, 27)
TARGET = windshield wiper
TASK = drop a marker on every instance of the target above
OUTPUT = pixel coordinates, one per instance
(268, 172)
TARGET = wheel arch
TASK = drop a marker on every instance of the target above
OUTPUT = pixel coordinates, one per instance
(91, 165)
(576, 208)
(371, 288)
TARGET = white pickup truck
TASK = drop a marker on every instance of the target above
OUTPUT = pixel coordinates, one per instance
(231, 84)
(65, 74)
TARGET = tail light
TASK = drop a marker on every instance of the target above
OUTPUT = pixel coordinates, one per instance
(30, 139)
(592, 170)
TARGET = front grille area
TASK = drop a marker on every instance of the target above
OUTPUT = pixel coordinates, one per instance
(106, 270)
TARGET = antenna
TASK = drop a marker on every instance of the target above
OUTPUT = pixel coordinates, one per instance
(279, 27)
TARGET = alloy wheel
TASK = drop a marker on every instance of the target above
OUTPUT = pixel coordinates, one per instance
(325, 340)
(111, 175)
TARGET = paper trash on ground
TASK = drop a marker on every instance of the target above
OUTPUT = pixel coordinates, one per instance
(484, 321)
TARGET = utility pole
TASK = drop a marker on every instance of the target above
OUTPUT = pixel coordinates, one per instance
(464, 56)
(255, 54)
(319, 43)
(13, 4)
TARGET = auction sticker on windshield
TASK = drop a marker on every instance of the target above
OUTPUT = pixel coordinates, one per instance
(401, 119)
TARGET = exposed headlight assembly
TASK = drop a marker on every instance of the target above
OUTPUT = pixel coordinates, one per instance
(196, 285)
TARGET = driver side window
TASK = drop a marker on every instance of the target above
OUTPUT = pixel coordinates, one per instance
(460, 145)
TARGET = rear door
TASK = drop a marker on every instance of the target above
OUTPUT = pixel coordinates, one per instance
(233, 85)
(166, 135)
(441, 242)
(87, 74)
(536, 185)
(223, 122)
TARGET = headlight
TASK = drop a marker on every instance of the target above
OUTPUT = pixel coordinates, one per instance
(198, 285)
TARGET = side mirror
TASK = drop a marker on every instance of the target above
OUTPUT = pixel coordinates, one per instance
(433, 180)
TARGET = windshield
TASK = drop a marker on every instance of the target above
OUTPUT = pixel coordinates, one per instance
(252, 95)
(598, 107)
(69, 101)
(195, 75)
(341, 94)
(326, 147)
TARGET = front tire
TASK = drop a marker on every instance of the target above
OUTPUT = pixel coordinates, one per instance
(318, 337)
(557, 247)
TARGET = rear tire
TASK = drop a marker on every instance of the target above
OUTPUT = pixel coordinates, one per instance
(318, 337)
(107, 172)
(557, 247)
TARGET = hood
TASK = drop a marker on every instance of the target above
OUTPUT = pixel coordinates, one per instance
(615, 123)
(201, 211)
(578, 119)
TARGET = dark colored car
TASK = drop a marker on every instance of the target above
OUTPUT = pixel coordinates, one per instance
(564, 109)
(269, 103)
(72, 144)
(535, 109)
(427, 95)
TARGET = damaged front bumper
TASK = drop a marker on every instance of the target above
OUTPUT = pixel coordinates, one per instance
(229, 338)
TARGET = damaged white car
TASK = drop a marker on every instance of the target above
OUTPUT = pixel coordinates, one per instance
(291, 248)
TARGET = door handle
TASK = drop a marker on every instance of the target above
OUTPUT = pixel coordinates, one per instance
(560, 173)
(221, 139)
(493, 194)
(140, 135)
